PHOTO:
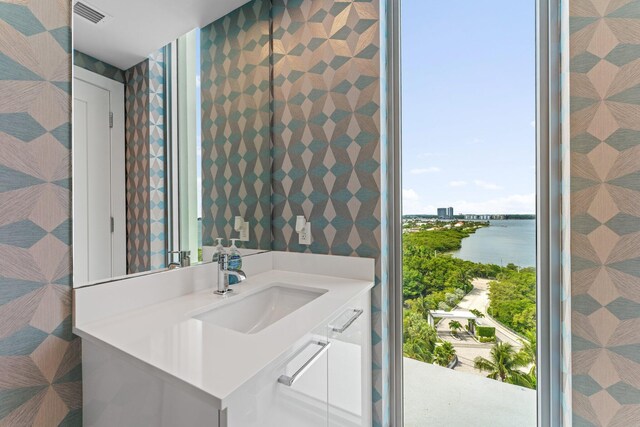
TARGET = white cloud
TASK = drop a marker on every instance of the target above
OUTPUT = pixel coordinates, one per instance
(457, 183)
(533, 123)
(515, 203)
(421, 171)
(412, 204)
(409, 194)
(477, 141)
(487, 185)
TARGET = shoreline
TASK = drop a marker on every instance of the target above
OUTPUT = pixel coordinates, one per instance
(500, 245)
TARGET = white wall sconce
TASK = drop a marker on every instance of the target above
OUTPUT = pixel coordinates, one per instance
(242, 227)
(303, 228)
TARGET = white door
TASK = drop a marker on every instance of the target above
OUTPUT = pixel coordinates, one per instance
(98, 179)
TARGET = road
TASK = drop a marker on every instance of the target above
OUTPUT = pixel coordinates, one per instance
(467, 348)
(478, 298)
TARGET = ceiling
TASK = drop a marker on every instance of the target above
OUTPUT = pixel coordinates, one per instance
(135, 28)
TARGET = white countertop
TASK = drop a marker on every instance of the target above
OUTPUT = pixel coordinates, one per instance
(212, 359)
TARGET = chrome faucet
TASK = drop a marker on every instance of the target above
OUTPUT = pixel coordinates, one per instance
(184, 259)
(224, 273)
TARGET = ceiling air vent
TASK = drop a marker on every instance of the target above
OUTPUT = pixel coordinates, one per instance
(89, 13)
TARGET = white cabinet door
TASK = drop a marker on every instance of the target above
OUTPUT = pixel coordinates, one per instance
(350, 365)
(291, 393)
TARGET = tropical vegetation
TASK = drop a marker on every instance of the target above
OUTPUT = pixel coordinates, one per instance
(504, 365)
(455, 327)
(444, 354)
(513, 299)
(430, 272)
(419, 336)
(421, 340)
(435, 280)
(486, 333)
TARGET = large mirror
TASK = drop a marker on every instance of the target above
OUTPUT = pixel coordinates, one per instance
(171, 133)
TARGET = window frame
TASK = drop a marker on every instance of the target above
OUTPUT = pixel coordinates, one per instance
(550, 174)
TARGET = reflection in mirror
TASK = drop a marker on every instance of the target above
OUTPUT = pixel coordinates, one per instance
(171, 133)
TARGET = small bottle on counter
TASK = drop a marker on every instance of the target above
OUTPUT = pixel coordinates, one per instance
(235, 261)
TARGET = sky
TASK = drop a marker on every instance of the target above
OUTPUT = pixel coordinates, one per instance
(468, 106)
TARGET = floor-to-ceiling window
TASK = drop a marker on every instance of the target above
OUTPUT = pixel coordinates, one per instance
(469, 213)
(186, 147)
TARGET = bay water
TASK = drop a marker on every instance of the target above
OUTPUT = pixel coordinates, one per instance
(503, 242)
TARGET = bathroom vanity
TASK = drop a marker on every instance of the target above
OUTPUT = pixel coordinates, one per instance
(290, 346)
(175, 137)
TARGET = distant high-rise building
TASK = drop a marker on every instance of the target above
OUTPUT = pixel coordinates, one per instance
(445, 213)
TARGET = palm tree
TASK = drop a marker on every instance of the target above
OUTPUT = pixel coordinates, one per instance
(419, 337)
(528, 354)
(455, 327)
(529, 379)
(465, 280)
(444, 353)
(422, 305)
(503, 365)
(529, 349)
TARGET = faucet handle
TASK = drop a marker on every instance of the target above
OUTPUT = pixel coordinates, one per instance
(184, 258)
(223, 260)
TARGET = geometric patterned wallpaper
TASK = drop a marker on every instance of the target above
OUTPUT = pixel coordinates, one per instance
(92, 64)
(605, 211)
(331, 102)
(236, 147)
(157, 175)
(40, 358)
(325, 135)
(326, 125)
(40, 373)
(138, 194)
(327, 142)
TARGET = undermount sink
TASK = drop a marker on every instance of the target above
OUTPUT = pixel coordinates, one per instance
(255, 312)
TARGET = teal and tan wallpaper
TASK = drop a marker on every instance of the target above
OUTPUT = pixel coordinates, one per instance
(605, 211)
(323, 54)
(40, 373)
(236, 150)
(90, 63)
(145, 164)
(347, 69)
(327, 142)
(157, 161)
(137, 167)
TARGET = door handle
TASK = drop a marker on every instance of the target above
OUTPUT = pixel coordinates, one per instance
(356, 313)
(290, 380)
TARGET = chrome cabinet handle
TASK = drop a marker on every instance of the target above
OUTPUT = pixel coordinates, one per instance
(290, 380)
(356, 314)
